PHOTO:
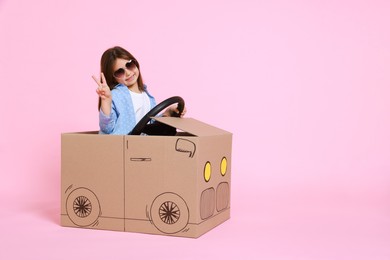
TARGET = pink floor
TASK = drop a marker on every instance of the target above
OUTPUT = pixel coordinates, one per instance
(277, 223)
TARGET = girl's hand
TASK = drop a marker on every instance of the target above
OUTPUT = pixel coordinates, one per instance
(172, 110)
(103, 90)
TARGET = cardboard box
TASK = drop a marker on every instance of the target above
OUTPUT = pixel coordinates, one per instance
(168, 185)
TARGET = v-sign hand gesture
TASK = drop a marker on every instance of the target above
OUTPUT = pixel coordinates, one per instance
(104, 93)
(103, 90)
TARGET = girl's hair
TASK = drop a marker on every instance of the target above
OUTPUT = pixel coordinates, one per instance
(107, 66)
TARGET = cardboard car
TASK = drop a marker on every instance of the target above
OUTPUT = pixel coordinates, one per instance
(169, 185)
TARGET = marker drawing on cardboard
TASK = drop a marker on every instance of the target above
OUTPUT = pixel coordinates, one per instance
(176, 185)
(83, 207)
(185, 146)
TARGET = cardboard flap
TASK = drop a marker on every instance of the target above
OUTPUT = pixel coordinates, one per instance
(191, 126)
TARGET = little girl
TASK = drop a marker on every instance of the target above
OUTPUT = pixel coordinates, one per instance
(123, 97)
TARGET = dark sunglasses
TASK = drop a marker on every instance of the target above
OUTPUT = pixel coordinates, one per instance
(130, 65)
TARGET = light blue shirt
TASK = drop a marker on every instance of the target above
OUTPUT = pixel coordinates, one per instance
(122, 118)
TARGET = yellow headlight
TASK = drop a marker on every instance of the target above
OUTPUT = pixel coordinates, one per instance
(223, 166)
(207, 171)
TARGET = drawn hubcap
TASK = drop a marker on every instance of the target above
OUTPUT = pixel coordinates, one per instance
(169, 212)
(82, 206)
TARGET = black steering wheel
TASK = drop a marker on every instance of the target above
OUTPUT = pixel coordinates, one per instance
(137, 130)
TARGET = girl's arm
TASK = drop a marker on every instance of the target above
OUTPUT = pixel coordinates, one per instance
(106, 106)
(172, 110)
(107, 123)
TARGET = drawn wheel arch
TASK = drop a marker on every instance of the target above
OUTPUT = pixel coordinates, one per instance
(83, 207)
(169, 213)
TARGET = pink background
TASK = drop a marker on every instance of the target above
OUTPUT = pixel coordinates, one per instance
(303, 85)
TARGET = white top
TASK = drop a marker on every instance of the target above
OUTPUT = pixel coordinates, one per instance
(141, 104)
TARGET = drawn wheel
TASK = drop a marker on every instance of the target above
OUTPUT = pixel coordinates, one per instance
(83, 207)
(169, 213)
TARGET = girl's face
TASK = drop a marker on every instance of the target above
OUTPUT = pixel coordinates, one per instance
(126, 73)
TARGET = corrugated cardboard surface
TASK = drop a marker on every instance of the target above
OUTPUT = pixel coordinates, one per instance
(148, 184)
